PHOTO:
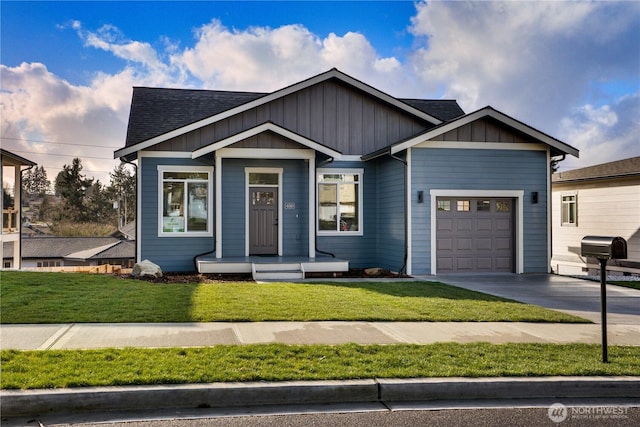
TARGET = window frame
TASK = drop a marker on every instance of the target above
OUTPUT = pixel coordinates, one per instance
(565, 205)
(360, 208)
(186, 169)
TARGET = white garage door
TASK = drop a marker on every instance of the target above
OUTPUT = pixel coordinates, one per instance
(474, 235)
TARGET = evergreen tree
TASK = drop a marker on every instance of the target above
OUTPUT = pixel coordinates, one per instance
(35, 182)
(123, 191)
(71, 185)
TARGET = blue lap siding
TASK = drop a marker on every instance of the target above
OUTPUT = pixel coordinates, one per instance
(472, 169)
(170, 253)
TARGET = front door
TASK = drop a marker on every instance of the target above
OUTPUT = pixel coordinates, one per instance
(263, 221)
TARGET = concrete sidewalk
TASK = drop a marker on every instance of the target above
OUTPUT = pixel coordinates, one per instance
(86, 336)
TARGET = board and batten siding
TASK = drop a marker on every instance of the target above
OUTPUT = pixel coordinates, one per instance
(605, 208)
(485, 169)
(330, 113)
(391, 219)
(170, 253)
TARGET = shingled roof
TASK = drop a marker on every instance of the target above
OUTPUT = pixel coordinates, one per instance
(155, 111)
(78, 248)
(617, 169)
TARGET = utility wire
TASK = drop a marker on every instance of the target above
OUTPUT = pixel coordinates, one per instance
(53, 142)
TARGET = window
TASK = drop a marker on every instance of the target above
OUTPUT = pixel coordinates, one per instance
(503, 206)
(185, 202)
(340, 201)
(483, 205)
(444, 205)
(570, 210)
(464, 205)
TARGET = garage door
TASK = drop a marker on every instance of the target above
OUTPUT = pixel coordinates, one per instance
(474, 235)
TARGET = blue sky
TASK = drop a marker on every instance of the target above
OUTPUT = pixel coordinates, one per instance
(570, 69)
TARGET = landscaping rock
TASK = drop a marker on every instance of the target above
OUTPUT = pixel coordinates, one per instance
(374, 271)
(146, 268)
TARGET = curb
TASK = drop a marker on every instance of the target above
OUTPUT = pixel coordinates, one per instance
(227, 395)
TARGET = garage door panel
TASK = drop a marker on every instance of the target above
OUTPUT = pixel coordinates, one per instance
(464, 244)
(503, 244)
(444, 224)
(484, 263)
(464, 264)
(445, 244)
(504, 263)
(503, 224)
(445, 264)
(484, 244)
(475, 235)
(484, 224)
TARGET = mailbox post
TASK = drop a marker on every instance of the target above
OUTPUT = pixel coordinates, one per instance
(604, 248)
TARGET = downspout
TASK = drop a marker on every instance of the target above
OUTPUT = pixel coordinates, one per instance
(550, 198)
(406, 213)
(315, 186)
(135, 246)
(20, 215)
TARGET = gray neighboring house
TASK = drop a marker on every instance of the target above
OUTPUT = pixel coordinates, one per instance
(38, 252)
(331, 173)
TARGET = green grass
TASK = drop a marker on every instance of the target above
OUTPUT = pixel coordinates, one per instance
(627, 284)
(29, 297)
(277, 362)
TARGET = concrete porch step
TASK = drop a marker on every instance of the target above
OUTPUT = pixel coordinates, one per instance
(277, 271)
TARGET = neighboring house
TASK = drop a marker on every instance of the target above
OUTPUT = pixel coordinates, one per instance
(236, 180)
(11, 167)
(601, 200)
(74, 251)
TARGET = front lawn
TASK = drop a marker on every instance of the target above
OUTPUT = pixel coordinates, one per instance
(278, 362)
(29, 297)
(634, 284)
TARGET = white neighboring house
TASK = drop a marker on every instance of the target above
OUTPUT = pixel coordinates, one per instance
(600, 200)
(11, 167)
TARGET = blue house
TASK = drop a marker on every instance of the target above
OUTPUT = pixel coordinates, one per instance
(331, 173)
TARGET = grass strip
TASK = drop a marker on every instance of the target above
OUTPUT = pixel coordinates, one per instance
(29, 297)
(626, 283)
(277, 362)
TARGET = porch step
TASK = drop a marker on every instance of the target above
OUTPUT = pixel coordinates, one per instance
(277, 271)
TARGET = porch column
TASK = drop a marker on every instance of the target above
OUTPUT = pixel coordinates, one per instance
(218, 208)
(312, 207)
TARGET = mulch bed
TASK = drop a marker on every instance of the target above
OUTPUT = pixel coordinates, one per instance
(177, 277)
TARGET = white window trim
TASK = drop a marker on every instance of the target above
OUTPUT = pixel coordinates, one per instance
(247, 171)
(497, 194)
(341, 171)
(177, 168)
(562, 205)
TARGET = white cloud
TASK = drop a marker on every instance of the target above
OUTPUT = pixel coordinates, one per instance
(536, 61)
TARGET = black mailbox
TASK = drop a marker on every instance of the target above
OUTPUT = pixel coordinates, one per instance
(604, 247)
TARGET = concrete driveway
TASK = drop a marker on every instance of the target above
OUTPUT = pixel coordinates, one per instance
(575, 296)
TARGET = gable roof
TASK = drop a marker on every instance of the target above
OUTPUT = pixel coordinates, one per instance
(557, 147)
(14, 158)
(151, 108)
(266, 127)
(617, 169)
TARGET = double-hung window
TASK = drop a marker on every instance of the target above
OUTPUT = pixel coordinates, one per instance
(340, 201)
(185, 202)
(570, 210)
